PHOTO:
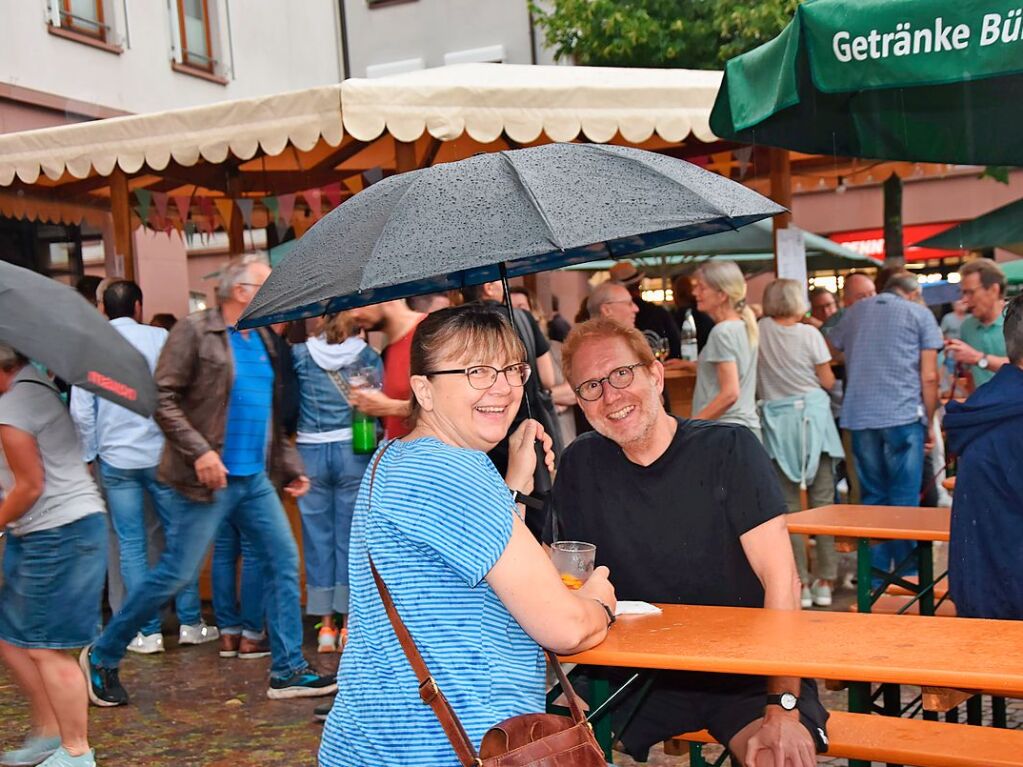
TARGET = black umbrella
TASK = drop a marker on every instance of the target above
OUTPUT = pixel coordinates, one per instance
(498, 215)
(53, 325)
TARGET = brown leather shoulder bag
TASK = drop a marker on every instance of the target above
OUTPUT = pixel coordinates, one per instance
(527, 740)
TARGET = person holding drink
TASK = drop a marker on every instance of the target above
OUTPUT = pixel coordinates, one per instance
(334, 461)
(477, 593)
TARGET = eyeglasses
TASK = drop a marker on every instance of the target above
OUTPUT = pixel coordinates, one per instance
(482, 377)
(619, 301)
(256, 285)
(619, 378)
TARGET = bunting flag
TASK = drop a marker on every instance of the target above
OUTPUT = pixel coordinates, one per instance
(145, 200)
(270, 203)
(286, 208)
(282, 228)
(245, 206)
(333, 194)
(743, 156)
(225, 207)
(160, 201)
(206, 206)
(313, 198)
(183, 202)
(373, 175)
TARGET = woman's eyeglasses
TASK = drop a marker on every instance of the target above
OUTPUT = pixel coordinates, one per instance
(482, 377)
(619, 378)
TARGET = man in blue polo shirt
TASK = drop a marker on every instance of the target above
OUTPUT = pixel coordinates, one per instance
(891, 343)
(220, 395)
(981, 343)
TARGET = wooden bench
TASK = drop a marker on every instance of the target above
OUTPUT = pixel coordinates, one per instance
(913, 742)
(889, 604)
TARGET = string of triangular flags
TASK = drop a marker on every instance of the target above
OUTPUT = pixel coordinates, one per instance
(164, 212)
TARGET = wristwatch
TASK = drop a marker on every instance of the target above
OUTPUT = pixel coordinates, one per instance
(982, 363)
(786, 700)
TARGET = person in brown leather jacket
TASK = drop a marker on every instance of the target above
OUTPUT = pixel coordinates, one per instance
(219, 397)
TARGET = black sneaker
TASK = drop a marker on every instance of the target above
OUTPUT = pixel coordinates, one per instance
(103, 683)
(302, 684)
(322, 711)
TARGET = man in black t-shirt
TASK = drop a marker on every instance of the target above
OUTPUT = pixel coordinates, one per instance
(686, 512)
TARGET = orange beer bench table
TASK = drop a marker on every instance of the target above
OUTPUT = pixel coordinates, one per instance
(857, 526)
(925, 651)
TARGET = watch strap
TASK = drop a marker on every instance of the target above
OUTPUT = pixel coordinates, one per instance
(776, 700)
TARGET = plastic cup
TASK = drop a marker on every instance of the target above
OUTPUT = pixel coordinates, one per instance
(574, 561)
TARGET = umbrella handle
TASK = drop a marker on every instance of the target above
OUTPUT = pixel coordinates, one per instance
(541, 478)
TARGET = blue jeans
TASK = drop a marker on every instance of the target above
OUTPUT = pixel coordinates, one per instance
(252, 504)
(125, 492)
(335, 473)
(232, 617)
(890, 464)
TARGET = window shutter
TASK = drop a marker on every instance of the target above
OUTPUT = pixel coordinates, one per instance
(53, 12)
(175, 31)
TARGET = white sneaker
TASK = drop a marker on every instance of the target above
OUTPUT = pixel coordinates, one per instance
(805, 598)
(146, 644)
(821, 593)
(199, 634)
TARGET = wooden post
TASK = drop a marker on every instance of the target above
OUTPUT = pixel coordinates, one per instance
(893, 251)
(404, 156)
(781, 193)
(120, 207)
(236, 231)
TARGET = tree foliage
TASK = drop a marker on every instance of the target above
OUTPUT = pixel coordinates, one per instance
(692, 34)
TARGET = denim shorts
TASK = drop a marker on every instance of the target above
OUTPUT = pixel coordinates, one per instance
(53, 585)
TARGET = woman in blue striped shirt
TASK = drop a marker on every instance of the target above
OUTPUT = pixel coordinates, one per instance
(474, 588)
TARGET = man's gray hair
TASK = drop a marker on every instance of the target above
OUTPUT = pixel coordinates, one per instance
(601, 295)
(236, 271)
(903, 282)
(1013, 330)
(10, 357)
(990, 274)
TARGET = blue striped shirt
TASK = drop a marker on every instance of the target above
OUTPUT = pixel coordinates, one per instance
(249, 407)
(441, 517)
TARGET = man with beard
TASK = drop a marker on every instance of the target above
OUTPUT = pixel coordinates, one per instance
(392, 403)
(685, 512)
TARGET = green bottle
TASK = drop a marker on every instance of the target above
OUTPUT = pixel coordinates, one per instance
(364, 433)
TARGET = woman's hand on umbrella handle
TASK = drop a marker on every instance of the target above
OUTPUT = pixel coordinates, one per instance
(211, 470)
(522, 455)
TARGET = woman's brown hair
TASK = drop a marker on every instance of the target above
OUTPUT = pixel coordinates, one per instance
(463, 335)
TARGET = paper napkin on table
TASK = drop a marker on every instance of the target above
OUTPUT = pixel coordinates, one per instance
(628, 607)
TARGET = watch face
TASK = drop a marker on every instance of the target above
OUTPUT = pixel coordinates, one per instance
(788, 701)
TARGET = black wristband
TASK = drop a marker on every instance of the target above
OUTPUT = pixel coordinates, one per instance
(611, 617)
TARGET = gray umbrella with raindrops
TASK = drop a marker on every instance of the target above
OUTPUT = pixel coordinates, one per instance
(498, 215)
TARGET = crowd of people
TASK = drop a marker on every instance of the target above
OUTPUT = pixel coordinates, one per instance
(812, 399)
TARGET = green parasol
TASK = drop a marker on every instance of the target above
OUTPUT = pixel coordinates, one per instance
(999, 228)
(936, 81)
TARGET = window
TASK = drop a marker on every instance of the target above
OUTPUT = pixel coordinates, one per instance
(194, 25)
(84, 17)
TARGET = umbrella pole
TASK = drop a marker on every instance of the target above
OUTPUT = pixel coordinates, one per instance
(542, 478)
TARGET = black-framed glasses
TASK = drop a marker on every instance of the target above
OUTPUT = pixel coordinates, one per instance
(482, 377)
(619, 378)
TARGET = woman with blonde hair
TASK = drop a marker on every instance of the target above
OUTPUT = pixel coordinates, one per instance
(799, 433)
(726, 370)
(334, 469)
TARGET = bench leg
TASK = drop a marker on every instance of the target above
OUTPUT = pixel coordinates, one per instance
(863, 576)
(998, 715)
(925, 566)
(860, 701)
(600, 692)
(974, 710)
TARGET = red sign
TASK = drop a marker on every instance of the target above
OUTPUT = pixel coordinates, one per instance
(870, 242)
(112, 386)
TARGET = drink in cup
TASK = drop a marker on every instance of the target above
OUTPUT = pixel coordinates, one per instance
(574, 561)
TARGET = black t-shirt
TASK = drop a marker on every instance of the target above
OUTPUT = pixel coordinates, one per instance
(654, 320)
(670, 531)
